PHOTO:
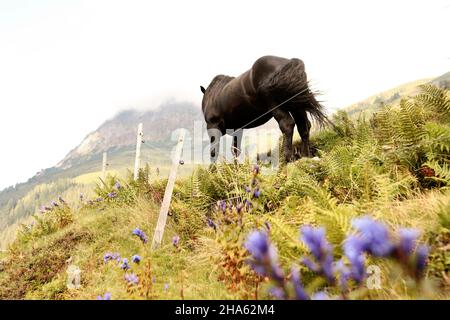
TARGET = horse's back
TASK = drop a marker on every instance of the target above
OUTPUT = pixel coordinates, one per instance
(265, 66)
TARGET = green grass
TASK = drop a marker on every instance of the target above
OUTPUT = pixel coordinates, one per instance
(393, 167)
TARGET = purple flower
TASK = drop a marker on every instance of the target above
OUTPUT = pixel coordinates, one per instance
(320, 296)
(264, 254)
(256, 193)
(99, 199)
(315, 240)
(81, 197)
(222, 205)
(112, 194)
(111, 256)
(277, 292)
(248, 204)
(106, 296)
(211, 223)
(117, 185)
(131, 278)
(354, 251)
(176, 241)
(136, 258)
(247, 189)
(407, 241)
(375, 236)
(300, 293)
(54, 204)
(255, 169)
(421, 258)
(138, 232)
(258, 245)
(344, 274)
(314, 267)
(125, 265)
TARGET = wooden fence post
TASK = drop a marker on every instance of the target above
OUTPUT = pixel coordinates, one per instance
(161, 224)
(139, 139)
(104, 165)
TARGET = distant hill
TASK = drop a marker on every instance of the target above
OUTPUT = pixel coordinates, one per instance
(117, 136)
(393, 96)
(120, 131)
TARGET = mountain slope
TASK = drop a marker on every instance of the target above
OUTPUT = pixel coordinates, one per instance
(121, 130)
(393, 96)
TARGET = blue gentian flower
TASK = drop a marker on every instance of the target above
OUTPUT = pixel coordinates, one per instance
(320, 296)
(278, 293)
(136, 258)
(265, 256)
(375, 236)
(222, 205)
(211, 223)
(112, 194)
(300, 293)
(131, 278)
(99, 199)
(315, 239)
(138, 232)
(54, 204)
(176, 241)
(258, 245)
(407, 241)
(256, 193)
(421, 258)
(354, 251)
(344, 274)
(125, 265)
(117, 185)
(106, 296)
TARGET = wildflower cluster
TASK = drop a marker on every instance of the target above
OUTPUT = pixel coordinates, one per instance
(106, 296)
(372, 238)
(138, 232)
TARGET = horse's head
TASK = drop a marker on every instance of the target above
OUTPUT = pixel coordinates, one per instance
(212, 111)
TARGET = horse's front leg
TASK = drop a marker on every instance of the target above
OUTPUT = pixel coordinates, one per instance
(237, 140)
(286, 124)
(214, 139)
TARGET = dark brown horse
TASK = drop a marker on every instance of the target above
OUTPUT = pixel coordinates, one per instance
(273, 87)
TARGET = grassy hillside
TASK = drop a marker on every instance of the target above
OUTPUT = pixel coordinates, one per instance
(233, 230)
(393, 96)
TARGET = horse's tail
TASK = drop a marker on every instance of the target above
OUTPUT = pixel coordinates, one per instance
(290, 83)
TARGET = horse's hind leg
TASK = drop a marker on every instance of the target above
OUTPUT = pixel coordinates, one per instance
(286, 124)
(303, 128)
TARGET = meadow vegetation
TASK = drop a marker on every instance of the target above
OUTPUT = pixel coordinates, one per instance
(240, 230)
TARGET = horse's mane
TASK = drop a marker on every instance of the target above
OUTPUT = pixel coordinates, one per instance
(216, 86)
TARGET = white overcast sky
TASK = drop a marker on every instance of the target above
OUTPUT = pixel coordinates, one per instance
(66, 66)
